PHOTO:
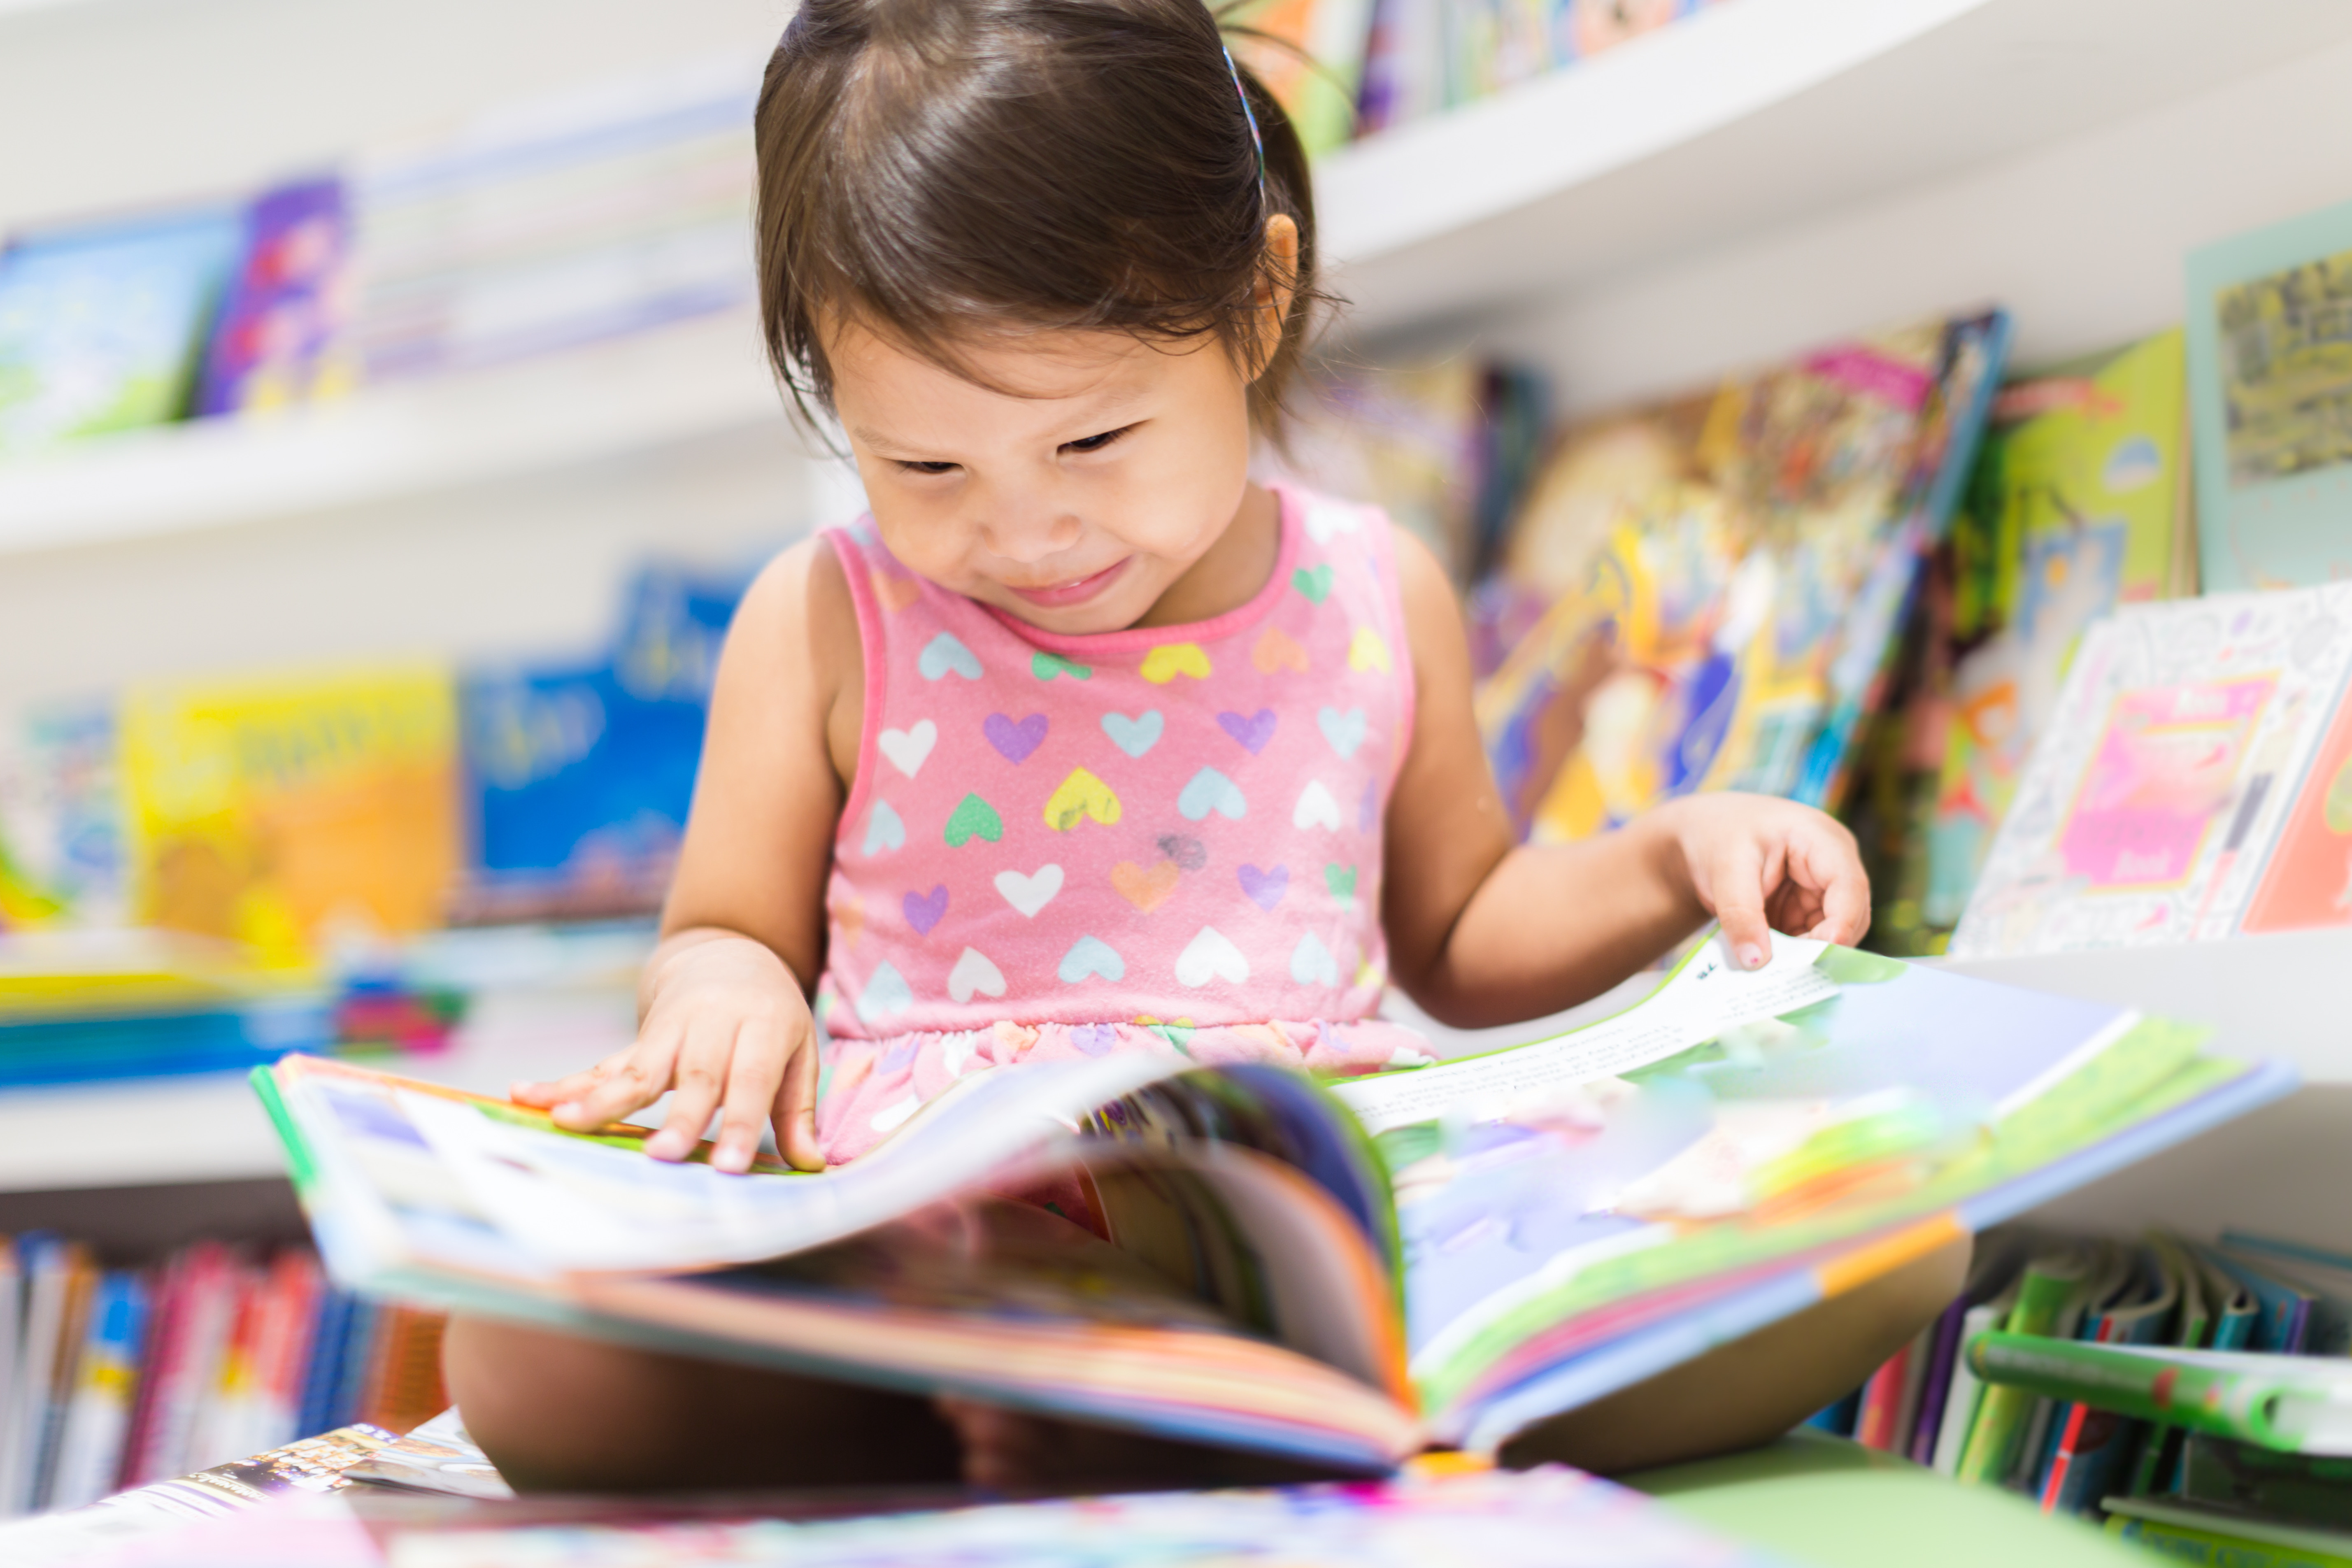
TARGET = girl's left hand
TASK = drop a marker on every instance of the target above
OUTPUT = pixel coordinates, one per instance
(1760, 864)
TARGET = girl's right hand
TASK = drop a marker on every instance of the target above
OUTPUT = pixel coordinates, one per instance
(730, 1030)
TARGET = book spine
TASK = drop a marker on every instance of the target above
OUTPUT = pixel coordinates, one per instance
(1882, 1399)
(2184, 1544)
(2229, 1402)
(1967, 1389)
(1937, 1391)
(2003, 1412)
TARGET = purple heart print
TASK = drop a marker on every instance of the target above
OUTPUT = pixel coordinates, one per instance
(1253, 732)
(1266, 888)
(1016, 741)
(924, 911)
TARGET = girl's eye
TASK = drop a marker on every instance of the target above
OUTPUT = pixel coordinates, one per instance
(926, 467)
(1096, 443)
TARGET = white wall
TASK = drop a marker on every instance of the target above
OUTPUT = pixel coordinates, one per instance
(2082, 239)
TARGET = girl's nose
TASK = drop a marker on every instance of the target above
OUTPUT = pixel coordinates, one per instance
(1028, 534)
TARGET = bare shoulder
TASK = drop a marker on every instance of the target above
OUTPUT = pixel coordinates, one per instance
(795, 649)
(1432, 612)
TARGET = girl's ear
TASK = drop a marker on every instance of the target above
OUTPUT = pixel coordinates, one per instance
(1278, 283)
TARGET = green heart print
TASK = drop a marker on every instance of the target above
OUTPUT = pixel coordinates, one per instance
(1046, 666)
(1314, 583)
(1341, 880)
(974, 817)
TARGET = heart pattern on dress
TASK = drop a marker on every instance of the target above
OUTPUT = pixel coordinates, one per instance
(1367, 652)
(1251, 733)
(1145, 887)
(910, 748)
(1210, 956)
(1316, 808)
(1046, 666)
(1033, 892)
(972, 975)
(1315, 584)
(1340, 880)
(1088, 957)
(1276, 651)
(1079, 796)
(1168, 660)
(1136, 735)
(946, 652)
(1265, 888)
(885, 994)
(884, 830)
(973, 817)
(1209, 791)
(1014, 740)
(1344, 731)
(924, 911)
(1311, 963)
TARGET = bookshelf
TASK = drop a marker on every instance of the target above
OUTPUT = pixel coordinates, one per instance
(1753, 116)
(659, 388)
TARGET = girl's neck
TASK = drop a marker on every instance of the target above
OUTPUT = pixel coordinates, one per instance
(1232, 571)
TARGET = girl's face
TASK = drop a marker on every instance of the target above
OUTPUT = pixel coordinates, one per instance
(1069, 480)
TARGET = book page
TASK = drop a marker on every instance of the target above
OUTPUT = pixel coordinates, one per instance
(1706, 996)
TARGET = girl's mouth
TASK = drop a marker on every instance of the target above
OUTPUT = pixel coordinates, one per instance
(1062, 595)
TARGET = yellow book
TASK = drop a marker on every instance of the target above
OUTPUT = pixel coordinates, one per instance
(278, 812)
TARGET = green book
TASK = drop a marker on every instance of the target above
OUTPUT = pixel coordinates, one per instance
(2224, 1539)
(2294, 1403)
(2049, 1288)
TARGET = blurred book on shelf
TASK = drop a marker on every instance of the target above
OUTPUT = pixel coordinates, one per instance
(1724, 577)
(1444, 445)
(1424, 56)
(120, 1377)
(555, 222)
(2139, 1379)
(2270, 371)
(2190, 783)
(2079, 503)
(544, 225)
(102, 326)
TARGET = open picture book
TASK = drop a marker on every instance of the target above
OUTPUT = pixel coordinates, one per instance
(1344, 1271)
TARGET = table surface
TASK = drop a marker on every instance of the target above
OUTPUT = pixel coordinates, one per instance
(1830, 1503)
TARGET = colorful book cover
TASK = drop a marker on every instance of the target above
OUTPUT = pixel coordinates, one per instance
(101, 327)
(1310, 55)
(279, 812)
(579, 778)
(2308, 881)
(2269, 377)
(62, 856)
(1735, 620)
(2075, 508)
(2148, 810)
(279, 338)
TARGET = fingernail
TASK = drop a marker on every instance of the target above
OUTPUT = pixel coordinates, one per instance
(1750, 956)
(732, 1158)
(566, 1111)
(666, 1146)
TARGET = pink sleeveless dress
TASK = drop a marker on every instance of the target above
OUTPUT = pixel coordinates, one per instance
(1163, 840)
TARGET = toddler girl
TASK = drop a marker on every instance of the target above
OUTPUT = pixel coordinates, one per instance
(1081, 741)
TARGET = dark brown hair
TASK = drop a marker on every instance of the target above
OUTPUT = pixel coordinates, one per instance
(931, 165)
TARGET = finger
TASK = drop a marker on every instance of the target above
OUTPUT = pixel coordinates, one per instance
(1738, 886)
(556, 1091)
(754, 1073)
(1845, 907)
(636, 1080)
(796, 1115)
(696, 1087)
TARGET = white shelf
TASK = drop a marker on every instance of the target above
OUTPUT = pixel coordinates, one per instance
(2280, 997)
(1751, 115)
(629, 395)
(210, 1127)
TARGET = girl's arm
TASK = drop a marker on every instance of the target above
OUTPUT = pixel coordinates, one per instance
(723, 1001)
(1483, 930)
